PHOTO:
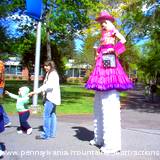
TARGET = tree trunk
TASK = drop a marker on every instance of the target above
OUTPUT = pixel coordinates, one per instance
(29, 73)
(49, 56)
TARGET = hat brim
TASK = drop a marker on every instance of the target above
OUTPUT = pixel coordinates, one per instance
(106, 17)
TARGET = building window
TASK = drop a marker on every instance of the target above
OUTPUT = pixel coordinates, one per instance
(7, 70)
(11, 69)
(19, 70)
(82, 72)
(76, 72)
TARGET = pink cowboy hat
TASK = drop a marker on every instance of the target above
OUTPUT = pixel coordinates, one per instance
(104, 15)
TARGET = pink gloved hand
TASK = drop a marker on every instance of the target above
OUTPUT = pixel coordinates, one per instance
(119, 48)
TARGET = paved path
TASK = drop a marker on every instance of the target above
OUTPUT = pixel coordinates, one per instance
(140, 135)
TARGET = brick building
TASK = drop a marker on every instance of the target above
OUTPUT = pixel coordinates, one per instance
(15, 70)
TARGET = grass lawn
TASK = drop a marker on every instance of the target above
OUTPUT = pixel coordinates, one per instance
(75, 98)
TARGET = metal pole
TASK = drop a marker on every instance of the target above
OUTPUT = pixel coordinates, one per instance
(37, 63)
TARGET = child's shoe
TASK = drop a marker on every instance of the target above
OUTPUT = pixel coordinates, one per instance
(20, 132)
(29, 131)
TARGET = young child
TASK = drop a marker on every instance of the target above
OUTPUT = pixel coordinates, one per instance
(22, 109)
(107, 79)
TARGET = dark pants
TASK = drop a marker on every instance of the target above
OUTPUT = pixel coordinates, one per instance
(1, 119)
(23, 117)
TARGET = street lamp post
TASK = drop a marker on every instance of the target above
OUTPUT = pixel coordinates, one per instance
(34, 10)
(37, 63)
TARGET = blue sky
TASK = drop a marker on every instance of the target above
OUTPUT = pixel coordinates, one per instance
(79, 44)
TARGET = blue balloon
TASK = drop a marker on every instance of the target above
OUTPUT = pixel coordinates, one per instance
(34, 8)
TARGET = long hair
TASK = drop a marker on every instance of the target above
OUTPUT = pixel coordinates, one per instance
(51, 64)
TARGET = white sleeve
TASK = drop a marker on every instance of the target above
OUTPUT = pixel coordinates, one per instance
(52, 81)
(14, 96)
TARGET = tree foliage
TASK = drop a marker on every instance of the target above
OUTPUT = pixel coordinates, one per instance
(146, 24)
(62, 20)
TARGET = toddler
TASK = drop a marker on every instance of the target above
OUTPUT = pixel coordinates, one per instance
(22, 109)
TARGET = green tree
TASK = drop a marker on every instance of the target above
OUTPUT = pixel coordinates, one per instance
(143, 20)
(62, 20)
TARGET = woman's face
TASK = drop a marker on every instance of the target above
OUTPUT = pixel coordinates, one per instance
(47, 68)
(103, 25)
(106, 25)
